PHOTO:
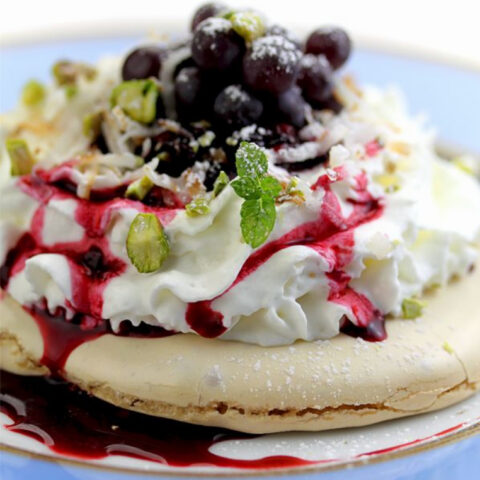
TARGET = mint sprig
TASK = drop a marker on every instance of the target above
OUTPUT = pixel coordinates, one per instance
(259, 191)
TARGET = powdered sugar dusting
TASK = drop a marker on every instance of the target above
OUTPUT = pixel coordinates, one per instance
(213, 25)
(285, 52)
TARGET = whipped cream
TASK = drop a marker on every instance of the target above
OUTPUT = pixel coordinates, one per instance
(425, 230)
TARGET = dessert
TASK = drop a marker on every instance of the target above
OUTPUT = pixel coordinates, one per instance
(225, 231)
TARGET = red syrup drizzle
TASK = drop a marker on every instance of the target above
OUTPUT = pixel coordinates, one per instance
(61, 335)
(332, 236)
(92, 266)
(74, 424)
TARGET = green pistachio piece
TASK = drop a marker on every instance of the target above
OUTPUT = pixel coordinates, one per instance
(227, 14)
(138, 189)
(70, 91)
(206, 139)
(293, 191)
(412, 308)
(220, 183)
(232, 142)
(92, 124)
(21, 159)
(33, 93)
(465, 163)
(137, 98)
(67, 73)
(248, 25)
(198, 206)
(448, 348)
(147, 244)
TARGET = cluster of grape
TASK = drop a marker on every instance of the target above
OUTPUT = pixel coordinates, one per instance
(234, 79)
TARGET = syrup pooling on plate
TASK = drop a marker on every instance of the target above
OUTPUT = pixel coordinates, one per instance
(74, 424)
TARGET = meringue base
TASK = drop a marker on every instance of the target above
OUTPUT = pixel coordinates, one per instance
(424, 365)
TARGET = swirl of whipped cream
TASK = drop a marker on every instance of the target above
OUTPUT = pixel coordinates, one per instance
(385, 221)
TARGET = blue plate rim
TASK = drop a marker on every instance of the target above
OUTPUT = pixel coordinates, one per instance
(322, 467)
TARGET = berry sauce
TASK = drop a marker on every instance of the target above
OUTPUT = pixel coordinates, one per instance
(93, 265)
(332, 236)
(72, 423)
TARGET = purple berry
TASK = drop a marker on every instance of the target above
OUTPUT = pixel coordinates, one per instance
(188, 85)
(142, 63)
(236, 108)
(292, 107)
(283, 32)
(206, 11)
(315, 78)
(215, 46)
(271, 64)
(93, 261)
(332, 42)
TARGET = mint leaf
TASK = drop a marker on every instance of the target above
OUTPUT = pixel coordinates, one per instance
(259, 190)
(247, 187)
(270, 186)
(257, 220)
(251, 160)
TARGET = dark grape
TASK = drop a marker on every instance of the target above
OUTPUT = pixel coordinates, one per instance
(206, 11)
(93, 260)
(283, 32)
(188, 85)
(332, 104)
(271, 64)
(332, 42)
(237, 108)
(160, 108)
(188, 62)
(292, 107)
(143, 62)
(315, 78)
(215, 46)
(175, 152)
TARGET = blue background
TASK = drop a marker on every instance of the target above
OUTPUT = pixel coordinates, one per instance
(452, 99)
(451, 96)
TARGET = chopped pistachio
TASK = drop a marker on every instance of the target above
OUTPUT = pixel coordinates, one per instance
(206, 139)
(291, 193)
(232, 142)
(465, 163)
(92, 124)
(448, 348)
(163, 156)
(33, 93)
(389, 182)
(66, 72)
(198, 206)
(147, 244)
(220, 183)
(248, 25)
(227, 14)
(193, 144)
(293, 190)
(137, 98)
(21, 159)
(138, 189)
(70, 91)
(412, 308)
